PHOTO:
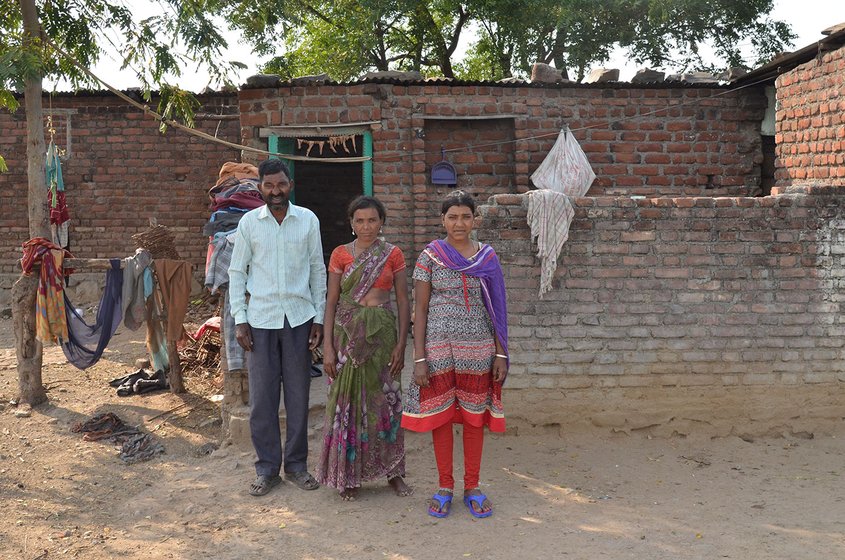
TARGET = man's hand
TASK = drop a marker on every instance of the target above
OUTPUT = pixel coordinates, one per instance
(316, 336)
(243, 334)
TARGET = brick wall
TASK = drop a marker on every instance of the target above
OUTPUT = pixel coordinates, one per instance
(120, 172)
(653, 141)
(648, 141)
(686, 301)
(810, 126)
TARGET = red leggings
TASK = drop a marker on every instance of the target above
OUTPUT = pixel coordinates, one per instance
(443, 439)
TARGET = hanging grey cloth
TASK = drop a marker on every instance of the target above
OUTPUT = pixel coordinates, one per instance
(134, 294)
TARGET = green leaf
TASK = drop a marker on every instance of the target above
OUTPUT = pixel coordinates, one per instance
(177, 104)
(8, 100)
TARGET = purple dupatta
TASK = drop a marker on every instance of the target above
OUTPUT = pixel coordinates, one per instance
(485, 266)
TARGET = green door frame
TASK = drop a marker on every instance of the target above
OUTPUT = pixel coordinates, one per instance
(367, 167)
(282, 146)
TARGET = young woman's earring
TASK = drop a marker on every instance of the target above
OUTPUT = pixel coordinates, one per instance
(353, 232)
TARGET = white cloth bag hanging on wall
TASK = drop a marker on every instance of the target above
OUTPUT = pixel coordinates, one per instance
(564, 173)
(566, 168)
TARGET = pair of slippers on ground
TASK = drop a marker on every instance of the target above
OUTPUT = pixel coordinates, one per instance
(140, 382)
(473, 502)
(264, 483)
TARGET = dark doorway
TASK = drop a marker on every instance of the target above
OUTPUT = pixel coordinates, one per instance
(767, 168)
(327, 188)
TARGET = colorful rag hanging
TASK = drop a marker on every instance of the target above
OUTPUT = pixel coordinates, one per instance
(50, 316)
(59, 215)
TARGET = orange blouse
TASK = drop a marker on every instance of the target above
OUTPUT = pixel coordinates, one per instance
(342, 259)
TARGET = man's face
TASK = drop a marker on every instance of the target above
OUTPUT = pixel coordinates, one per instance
(275, 190)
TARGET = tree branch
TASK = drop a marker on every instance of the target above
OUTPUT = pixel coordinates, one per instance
(463, 16)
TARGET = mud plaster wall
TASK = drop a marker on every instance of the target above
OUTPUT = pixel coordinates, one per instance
(678, 314)
(120, 172)
(649, 141)
(810, 126)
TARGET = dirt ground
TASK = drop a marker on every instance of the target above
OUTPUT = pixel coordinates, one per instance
(584, 495)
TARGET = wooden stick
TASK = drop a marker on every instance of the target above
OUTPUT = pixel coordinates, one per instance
(96, 264)
(175, 375)
(174, 409)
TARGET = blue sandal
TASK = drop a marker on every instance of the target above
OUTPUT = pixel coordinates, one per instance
(443, 501)
(478, 500)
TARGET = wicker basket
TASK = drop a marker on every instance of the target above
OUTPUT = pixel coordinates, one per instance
(158, 241)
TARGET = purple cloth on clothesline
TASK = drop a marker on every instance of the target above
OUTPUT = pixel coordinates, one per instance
(86, 343)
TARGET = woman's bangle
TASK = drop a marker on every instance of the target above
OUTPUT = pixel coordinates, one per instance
(502, 356)
(420, 360)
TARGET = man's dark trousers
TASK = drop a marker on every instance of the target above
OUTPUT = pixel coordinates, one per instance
(279, 359)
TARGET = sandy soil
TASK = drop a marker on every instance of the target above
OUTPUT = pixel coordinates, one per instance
(585, 495)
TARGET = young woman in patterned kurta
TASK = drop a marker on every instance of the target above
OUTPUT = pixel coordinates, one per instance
(363, 356)
(460, 351)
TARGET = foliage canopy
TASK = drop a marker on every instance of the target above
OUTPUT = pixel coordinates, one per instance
(345, 38)
(181, 33)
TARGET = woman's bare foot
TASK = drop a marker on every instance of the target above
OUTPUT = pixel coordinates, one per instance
(349, 494)
(399, 486)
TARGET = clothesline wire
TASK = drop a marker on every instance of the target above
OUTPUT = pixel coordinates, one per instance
(169, 122)
(146, 109)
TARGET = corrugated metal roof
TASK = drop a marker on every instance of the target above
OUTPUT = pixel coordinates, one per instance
(398, 82)
(132, 92)
(490, 83)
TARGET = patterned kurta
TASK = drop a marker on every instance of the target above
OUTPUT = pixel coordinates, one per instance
(460, 348)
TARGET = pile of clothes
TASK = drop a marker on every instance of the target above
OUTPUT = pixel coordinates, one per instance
(135, 445)
(235, 193)
(140, 382)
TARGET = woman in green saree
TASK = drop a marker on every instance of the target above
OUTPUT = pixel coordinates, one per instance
(363, 357)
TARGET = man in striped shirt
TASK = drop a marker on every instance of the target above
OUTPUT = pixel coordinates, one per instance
(277, 289)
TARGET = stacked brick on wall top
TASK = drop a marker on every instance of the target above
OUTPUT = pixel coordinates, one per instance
(811, 122)
(121, 171)
(677, 292)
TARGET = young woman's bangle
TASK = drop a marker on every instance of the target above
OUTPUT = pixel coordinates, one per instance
(502, 356)
(420, 360)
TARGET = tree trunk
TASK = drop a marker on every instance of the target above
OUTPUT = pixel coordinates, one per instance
(560, 64)
(27, 348)
(441, 52)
